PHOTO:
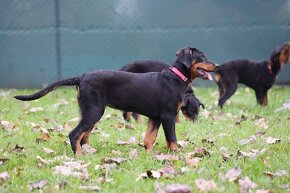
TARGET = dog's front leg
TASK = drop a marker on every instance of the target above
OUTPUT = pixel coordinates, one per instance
(151, 133)
(168, 123)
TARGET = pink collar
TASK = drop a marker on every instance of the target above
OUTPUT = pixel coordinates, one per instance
(178, 73)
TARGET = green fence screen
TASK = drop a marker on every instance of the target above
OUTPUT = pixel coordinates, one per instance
(42, 41)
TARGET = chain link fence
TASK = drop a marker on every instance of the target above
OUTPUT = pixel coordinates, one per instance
(43, 41)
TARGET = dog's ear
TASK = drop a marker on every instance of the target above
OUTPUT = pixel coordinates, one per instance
(184, 56)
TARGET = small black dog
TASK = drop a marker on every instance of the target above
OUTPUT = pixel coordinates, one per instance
(191, 104)
(259, 76)
(157, 95)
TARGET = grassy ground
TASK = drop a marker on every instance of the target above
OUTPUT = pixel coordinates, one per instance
(21, 144)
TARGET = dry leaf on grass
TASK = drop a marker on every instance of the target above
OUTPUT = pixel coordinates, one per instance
(272, 140)
(48, 151)
(205, 185)
(233, 174)
(166, 157)
(192, 162)
(35, 109)
(37, 185)
(285, 186)
(172, 188)
(90, 188)
(199, 152)
(3, 161)
(261, 122)
(133, 153)
(246, 185)
(253, 154)
(209, 141)
(6, 125)
(131, 140)
(241, 119)
(77, 169)
(182, 144)
(149, 174)
(224, 153)
(4, 176)
(113, 160)
(278, 173)
(88, 149)
(251, 139)
(167, 171)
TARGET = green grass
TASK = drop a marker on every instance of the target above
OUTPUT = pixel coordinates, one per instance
(220, 125)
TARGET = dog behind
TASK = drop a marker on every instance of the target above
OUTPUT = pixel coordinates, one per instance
(191, 103)
(259, 76)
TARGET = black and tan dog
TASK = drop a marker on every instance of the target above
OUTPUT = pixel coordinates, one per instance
(191, 103)
(157, 95)
(259, 76)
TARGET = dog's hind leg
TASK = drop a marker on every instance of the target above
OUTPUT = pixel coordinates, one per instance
(229, 89)
(168, 123)
(151, 133)
(92, 110)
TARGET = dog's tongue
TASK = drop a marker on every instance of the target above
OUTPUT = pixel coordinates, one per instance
(209, 77)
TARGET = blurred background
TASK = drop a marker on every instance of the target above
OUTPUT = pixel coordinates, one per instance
(43, 41)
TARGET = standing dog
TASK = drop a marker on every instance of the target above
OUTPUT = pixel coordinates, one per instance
(191, 104)
(259, 76)
(157, 95)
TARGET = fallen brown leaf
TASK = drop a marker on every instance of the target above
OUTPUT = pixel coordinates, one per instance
(246, 185)
(172, 188)
(44, 137)
(4, 176)
(209, 141)
(90, 188)
(272, 140)
(37, 185)
(205, 185)
(35, 109)
(77, 169)
(48, 151)
(193, 162)
(133, 153)
(149, 174)
(3, 161)
(199, 152)
(6, 125)
(233, 174)
(285, 186)
(166, 157)
(113, 160)
(88, 149)
(253, 154)
(182, 144)
(167, 171)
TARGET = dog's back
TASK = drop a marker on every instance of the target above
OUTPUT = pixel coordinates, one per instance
(145, 66)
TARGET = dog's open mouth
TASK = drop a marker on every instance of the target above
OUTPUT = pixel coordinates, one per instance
(203, 74)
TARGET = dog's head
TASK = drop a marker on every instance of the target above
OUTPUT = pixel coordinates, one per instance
(190, 107)
(281, 54)
(196, 61)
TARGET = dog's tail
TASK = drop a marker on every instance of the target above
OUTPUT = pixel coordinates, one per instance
(49, 88)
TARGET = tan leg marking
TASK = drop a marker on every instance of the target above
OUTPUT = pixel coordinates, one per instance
(265, 101)
(150, 136)
(85, 139)
(78, 145)
(177, 120)
(172, 145)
